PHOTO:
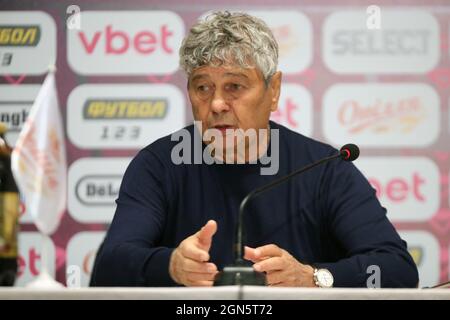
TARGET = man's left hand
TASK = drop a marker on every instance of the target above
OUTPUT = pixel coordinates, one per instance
(281, 268)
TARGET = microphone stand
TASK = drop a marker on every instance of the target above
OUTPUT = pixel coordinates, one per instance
(239, 273)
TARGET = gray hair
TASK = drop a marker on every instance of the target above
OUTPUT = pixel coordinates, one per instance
(235, 38)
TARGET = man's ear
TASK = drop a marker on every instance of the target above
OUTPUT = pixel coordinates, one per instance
(275, 87)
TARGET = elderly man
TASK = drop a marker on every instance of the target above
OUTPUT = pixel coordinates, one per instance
(175, 220)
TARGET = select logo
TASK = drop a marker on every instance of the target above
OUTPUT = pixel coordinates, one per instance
(105, 117)
(408, 187)
(382, 115)
(15, 105)
(125, 42)
(93, 186)
(295, 109)
(407, 43)
(424, 248)
(26, 36)
(30, 258)
(81, 251)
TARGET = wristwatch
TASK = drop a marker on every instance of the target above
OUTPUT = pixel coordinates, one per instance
(323, 278)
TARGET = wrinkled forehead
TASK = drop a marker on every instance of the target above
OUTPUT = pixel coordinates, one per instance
(249, 72)
(228, 62)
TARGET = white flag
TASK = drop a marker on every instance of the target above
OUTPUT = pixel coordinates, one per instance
(39, 160)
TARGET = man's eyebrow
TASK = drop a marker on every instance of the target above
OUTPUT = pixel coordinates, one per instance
(199, 76)
(227, 74)
(236, 74)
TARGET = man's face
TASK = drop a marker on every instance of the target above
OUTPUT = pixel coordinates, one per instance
(231, 97)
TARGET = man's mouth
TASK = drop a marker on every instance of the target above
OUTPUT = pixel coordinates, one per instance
(224, 127)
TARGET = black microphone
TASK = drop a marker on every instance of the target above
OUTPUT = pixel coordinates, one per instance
(241, 274)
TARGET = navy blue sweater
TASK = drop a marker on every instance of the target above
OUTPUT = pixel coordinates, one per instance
(328, 217)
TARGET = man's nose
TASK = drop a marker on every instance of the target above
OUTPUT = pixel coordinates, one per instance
(219, 102)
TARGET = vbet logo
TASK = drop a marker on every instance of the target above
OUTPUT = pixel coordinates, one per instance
(116, 116)
(30, 259)
(125, 42)
(407, 42)
(381, 115)
(295, 109)
(408, 187)
(80, 256)
(26, 36)
(424, 248)
(15, 104)
(93, 187)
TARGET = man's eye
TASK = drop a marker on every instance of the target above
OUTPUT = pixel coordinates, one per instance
(235, 87)
(203, 88)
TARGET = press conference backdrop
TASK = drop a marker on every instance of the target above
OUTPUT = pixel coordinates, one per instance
(344, 81)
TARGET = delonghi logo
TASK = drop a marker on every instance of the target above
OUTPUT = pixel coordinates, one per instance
(93, 186)
(103, 116)
(125, 42)
(15, 104)
(424, 248)
(14, 114)
(382, 115)
(26, 36)
(407, 42)
(407, 186)
(98, 190)
(19, 36)
(125, 109)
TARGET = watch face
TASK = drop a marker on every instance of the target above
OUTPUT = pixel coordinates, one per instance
(325, 278)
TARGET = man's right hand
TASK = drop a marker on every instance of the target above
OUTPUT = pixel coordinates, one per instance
(189, 264)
